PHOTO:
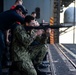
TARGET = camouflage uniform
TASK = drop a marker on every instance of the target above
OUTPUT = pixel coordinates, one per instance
(23, 51)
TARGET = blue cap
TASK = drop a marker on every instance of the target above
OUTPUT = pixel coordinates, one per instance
(24, 10)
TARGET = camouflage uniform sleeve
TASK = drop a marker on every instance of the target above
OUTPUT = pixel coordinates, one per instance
(43, 39)
(23, 37)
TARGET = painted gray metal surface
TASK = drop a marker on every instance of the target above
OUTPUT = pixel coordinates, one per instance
(69, 15)
(46, 7)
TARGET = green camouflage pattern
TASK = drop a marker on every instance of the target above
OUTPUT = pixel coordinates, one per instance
(23, 51)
